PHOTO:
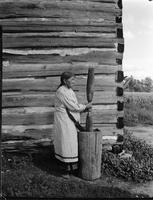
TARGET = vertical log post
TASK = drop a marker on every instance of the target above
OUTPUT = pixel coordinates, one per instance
(1, 76)
(90, 142)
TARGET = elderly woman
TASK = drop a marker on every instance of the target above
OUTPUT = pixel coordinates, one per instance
(65, 131)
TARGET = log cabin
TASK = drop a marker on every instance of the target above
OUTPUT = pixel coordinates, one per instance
(42, 38)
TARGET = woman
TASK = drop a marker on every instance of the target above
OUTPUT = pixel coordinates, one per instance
(65, 131)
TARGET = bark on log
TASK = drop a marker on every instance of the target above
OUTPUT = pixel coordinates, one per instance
(102, 56)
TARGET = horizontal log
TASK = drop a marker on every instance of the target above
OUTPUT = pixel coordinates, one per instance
(29, 131)
(45, 115)
(63, 14)
(17, 70)
(35, 146)
(46, 131)
(56, 8)
(61, 51)
(56, 21)
(14, 137)
(27, 116)
(60, 34)
(101, 56)
(102, 1)
(55, 28)
(57, 42)
(56, 51)
(102, 83)
(49, 41)
(47, 99)
(31, 146)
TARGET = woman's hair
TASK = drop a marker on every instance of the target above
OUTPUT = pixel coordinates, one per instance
(65, 76)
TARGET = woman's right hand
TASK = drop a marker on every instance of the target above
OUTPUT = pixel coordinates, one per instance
(89, 105)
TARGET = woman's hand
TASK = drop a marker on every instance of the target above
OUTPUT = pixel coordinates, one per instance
(89, 105)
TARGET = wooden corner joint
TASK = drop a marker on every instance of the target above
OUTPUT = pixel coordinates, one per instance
(120, 123)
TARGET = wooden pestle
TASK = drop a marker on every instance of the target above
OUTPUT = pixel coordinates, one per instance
(89, 93)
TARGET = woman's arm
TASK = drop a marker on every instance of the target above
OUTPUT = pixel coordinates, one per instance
(69, 102)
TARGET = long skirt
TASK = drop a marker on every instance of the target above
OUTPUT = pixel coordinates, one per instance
(65, 139)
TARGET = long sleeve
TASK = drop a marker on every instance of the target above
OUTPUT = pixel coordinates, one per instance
(69, 101)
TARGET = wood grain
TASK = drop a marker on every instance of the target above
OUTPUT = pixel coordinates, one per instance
(50, 41)
(55, 8)
(46, 99)
(102, 82)
(90, 150)
(45, 115)
(100, 56)
(56, 21)
(39, 28)
(17, 70)
(46, 131)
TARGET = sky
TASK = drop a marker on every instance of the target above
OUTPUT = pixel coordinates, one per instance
(138, 36)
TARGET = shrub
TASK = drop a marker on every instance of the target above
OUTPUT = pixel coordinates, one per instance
(138, 168)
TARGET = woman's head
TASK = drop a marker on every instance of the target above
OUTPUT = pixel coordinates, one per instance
(67, 79)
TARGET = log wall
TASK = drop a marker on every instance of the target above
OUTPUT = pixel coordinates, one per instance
(43, 38)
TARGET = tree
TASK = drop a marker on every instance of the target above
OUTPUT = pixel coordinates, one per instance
(134, 85)
(148, 84)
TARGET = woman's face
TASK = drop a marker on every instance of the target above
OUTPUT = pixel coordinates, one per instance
(70, 82)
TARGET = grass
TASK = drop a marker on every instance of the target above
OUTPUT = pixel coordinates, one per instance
(39, 175)
(138, 108)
